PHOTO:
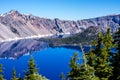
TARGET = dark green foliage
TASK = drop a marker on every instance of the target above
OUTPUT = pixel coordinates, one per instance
(31, 67)
(96, 65)
(14, 75)
(84, 38)
(87, 73)
(62, 76)
(51, 44)
(1, 76)
(108, 41)
(35, 77)
(80, 72)
(74, 73)
(19, 78)
(32, 72)
(99, 58)
(116, 57)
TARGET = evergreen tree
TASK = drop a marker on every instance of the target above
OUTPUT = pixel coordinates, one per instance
(96, 63)
(62, 76)
(32, 72)
(74, 73)
(99, 58)
(80, 72)
(31, 67)
(1, 76)
(87, 74)
(116, 58)
(86, 71)
(14, 75)
(19, 78)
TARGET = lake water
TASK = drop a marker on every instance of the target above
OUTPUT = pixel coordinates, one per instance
(50, 61)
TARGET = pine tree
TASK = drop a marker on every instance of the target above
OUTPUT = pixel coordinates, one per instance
(74, 73)
(87, 74)
(19, 78)
(31, 67)
(116, 58)
(32, 72)
(104, 68)
(14, 75)
(86, 71)
(62, 76)
(80, 72)
(96, 63)
(99, 57)
(1, 76)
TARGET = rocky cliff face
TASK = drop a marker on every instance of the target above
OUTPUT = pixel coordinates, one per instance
(16, 25)
(13, 24)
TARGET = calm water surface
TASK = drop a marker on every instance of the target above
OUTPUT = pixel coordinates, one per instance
(50, 61)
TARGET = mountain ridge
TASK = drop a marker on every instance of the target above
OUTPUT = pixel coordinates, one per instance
(14, 25)
(19, 33)
(56, 17)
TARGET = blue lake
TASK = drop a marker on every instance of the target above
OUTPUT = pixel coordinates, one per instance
(50, 61)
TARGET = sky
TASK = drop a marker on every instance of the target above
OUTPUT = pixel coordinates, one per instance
(62, 9)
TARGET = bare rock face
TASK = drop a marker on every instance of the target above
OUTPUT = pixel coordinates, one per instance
(16, 25)
(13, 24)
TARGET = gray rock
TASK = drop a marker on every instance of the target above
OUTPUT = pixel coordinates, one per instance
(13, 24)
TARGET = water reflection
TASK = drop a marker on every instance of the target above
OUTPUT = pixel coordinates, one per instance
(15, 49)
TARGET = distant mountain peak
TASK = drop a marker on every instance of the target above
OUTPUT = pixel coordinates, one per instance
(12, 12)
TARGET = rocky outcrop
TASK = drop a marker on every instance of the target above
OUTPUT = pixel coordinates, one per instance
(13, 24)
